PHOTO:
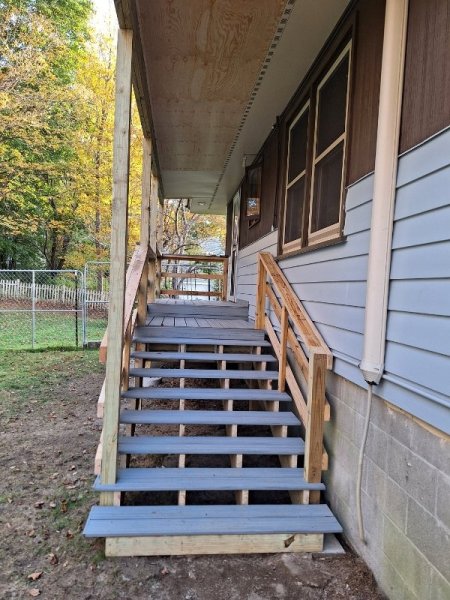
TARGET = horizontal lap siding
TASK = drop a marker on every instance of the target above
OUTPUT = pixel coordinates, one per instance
(247, 268)
(331, 281)
(418, 328)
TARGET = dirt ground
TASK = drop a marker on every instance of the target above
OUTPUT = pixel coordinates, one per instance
(49, 434)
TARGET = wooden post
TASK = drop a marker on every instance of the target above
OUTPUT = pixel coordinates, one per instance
(145, 226)
(121, 155)
(260, 296)
(153, 224)
(314, 424)
(225, 278)
(283, 350)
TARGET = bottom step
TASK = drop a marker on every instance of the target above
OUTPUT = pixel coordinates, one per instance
(226, 529)
(123, 521)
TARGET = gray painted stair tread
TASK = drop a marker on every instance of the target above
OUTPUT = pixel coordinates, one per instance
(206, 341)
(203, 373)
(170, 479)
(206, 394)
(124, 521)
(199, 332)
(203, 356)
(209, 417)
(211, 445)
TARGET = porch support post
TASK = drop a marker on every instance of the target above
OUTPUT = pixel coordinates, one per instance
(154, 238)
(121, 156)
(145, 227)
(385, 180)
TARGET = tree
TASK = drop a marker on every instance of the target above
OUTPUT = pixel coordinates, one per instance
(185, 232)
(40, 112)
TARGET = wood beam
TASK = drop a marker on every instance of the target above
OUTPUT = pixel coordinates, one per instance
(121, 159)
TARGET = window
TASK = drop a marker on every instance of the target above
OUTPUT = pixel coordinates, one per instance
(315, 171)
(253, 194)
(329, 151)
(295, 180)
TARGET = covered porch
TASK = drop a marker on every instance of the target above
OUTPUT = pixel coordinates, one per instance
(209, 81)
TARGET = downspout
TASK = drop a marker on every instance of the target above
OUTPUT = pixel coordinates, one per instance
(385, 180)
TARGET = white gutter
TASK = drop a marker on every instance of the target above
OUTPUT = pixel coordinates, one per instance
(386, 161)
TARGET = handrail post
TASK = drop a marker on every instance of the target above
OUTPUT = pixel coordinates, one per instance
(260, 295)
(118, 259)
(314, 424)
(283, 350)
(225, 278)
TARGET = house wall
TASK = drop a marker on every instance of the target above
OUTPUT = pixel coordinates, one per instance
(247, 268)
(406, 483)
(426, 108)
(405, 493)
(269, 156)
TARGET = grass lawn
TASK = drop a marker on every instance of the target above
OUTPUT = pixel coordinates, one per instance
(53, 330)
(38, 375)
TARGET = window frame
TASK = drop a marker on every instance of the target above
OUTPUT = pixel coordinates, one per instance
(332, 231)
(297, 243)
(252, 220)
(309, 100)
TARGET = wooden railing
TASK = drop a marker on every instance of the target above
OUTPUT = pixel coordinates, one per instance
(136, 280)
(276, 300)
(194, 276)
(139, 288)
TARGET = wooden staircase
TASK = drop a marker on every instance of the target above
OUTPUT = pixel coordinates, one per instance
(231, 383)
(229, 356)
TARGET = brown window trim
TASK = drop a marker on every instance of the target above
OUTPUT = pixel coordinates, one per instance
(305, 249)
(341, 37)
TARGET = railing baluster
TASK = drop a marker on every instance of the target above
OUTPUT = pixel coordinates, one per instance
(314, 425)
(283, 350)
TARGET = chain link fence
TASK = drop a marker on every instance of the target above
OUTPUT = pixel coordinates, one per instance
(53, 309)
(41, 309)
(96, 286)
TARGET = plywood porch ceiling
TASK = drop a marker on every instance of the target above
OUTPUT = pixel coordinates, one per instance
(202, 59)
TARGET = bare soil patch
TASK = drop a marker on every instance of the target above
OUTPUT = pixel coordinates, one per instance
(49, 434)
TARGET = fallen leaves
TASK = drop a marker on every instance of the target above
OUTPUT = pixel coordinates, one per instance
(35, 576)
(52, 558)
(34, 592)
(39, 504)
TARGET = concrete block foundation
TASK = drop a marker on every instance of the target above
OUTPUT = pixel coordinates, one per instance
(405, 492)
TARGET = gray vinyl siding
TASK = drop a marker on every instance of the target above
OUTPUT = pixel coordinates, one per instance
(247, 268)
(331, 282)
(417, 364)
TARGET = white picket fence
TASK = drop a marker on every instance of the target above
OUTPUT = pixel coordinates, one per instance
(58, 294)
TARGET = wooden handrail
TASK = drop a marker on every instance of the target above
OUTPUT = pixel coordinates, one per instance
(133, 278)
(313, 361)
(192, 257)
(297, 313)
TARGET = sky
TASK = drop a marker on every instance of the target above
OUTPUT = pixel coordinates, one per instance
(104, 20)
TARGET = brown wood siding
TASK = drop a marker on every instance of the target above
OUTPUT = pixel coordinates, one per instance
(364, 22)
(426, 104)
(269, 153)
(367, 53)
